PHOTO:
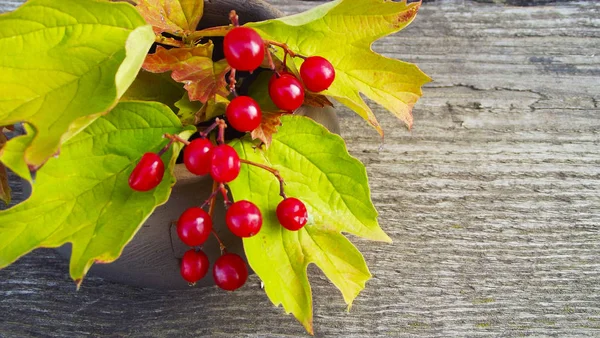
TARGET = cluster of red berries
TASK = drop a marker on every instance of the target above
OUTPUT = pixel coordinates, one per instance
(194, 226)
(244, 50)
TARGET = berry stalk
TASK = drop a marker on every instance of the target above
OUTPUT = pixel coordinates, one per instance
(211, 212)
(175, 138)
(273, 171)
(285, 48)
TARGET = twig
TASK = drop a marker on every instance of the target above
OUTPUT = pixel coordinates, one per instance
(174, 138)
(234, 18)
(273, 171)
(211, 211)
(285, 48)
(224, 194)
(222, 127)
(165, 148)
(232, 82)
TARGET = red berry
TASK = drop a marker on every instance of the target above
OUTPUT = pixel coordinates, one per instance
(243, 114)
(292, 214)
(230, 272)
(286, 92)
(196, 156)
(224, 164)
(244, 48)
(244, 219)
(194, 265)
(148, 173)
(194, 226)
(281, 73)
(317, 73)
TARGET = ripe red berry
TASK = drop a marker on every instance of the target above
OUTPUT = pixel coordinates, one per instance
(194, 265)
(243, 114)
(317, 73)
(148, 173)
(196, 156)
(194, 226)
(292, 214)
(224, 164)
(286, 92)
(230, 272)
(244, 219)
(244, 49)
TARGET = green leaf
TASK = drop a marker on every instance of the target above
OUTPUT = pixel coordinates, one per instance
(343, 31)
(83, 196)
(12, 153)
(194, 112)
(189, 112)
(154, 87)
(64, 63)
(317, 169)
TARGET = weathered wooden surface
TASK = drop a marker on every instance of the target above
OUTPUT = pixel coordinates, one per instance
(492, 200)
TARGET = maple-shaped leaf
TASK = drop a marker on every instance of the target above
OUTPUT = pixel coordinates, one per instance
(64, 64)
(343, 31)
(194, 112)
(82, 197)
(173, 16)
(11, 154)
(194, 67)
(158, 87)
(4, 186)
(333, 185)
(268, 126)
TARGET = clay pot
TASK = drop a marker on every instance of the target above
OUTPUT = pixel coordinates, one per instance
(151, 259)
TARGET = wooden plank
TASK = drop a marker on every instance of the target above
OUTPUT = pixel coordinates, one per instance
(492, 201)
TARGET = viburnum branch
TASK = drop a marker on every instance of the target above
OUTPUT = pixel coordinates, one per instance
(205, 132)
(234, 18)
(165, 148)
(232, 82)
(211, 211)
(222, 127)
(272, 64)
(285, 48)
(273, 171)
(210, 198)
(224, 194)
(285, 54)
(174, 138)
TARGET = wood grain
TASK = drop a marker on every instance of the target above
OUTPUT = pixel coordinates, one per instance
(492, 200)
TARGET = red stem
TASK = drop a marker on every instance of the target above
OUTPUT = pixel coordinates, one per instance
(222, 126)
(224, 194)
(211, 211)
(285, 48)
(271, 63)
(174, 138)
(232, 82)
(165, 148)
(234, 18)
(273, 171)
(204, 134)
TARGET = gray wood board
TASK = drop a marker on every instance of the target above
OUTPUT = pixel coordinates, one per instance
(492, 201)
